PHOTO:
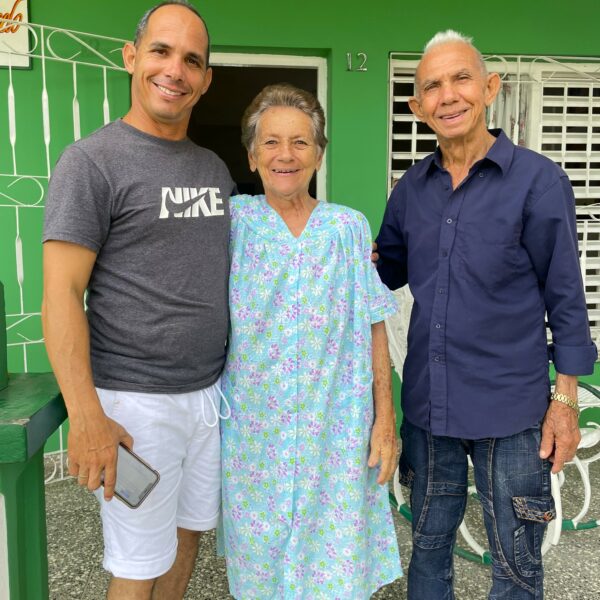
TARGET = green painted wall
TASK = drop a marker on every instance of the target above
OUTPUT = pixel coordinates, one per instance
(358, 101)
(357, 162)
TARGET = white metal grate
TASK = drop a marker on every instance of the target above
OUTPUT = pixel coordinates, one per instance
(549, 104)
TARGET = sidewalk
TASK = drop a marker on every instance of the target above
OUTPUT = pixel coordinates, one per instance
(75, 552)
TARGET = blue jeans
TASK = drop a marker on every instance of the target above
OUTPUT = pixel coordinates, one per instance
(513, 484)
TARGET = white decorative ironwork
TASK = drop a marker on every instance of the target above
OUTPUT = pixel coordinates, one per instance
(20, 189)
(55, 465)
(45, 108)
(86, 48)
(76, 119)
(12, 128)
(105, 105)
(7, 200)
(20, 274)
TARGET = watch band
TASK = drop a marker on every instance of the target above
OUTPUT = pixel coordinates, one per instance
(564, 399)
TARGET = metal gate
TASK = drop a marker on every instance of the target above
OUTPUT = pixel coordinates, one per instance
(74, 84)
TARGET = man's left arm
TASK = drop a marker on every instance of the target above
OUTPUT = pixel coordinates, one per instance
(560, 429)
(550, 237)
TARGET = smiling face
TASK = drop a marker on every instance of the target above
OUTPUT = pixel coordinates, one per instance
(285, 153)
(169, 72)
(453, 92)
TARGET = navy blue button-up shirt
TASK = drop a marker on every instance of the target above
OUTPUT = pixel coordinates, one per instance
(485, 263)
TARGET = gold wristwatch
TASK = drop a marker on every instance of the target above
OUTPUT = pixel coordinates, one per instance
(564, 399)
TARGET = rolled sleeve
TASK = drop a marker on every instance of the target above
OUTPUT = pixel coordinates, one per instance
(573, 360)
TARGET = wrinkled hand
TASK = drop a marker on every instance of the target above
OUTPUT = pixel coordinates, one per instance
(384, 447)
(374, 254)
(560, 435)
(93, 453)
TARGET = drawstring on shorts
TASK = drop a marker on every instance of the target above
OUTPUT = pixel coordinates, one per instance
(216, 412)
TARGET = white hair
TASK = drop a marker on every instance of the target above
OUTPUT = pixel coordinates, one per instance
(447, 37)
(443, 37)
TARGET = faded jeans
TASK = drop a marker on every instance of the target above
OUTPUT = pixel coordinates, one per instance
(513, 485)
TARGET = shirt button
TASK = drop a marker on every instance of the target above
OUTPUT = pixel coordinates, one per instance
(440, 290)
(437, 326)
(448, 221)
(436, 358)
(481, 174)
(444, 253)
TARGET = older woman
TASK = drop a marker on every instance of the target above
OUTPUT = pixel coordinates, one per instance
(312, 430)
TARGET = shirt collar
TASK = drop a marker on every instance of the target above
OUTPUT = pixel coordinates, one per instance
(501, 151)
(501, 154)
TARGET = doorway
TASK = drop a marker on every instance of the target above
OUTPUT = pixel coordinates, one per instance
(237, 79)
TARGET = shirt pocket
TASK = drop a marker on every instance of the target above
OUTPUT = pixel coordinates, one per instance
(489, 254)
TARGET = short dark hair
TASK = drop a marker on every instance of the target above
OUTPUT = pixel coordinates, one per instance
(140, 30)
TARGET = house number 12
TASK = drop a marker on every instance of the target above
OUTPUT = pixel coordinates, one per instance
(362, 61)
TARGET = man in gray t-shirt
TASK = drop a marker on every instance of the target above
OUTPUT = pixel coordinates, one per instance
(138, 216)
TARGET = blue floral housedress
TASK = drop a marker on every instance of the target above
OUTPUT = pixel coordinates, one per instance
(303, 516)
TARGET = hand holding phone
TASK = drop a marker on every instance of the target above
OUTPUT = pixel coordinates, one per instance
(135, 478)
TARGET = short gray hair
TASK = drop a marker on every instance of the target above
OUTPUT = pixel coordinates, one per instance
(142, 26)
(449, 36)
(283, 94)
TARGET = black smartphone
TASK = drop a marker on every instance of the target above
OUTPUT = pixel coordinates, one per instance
(135, 478)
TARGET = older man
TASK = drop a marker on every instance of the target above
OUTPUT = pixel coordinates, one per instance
(138, 215)
(484, 234)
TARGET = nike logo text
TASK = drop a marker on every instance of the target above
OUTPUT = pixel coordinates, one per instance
(190, 202)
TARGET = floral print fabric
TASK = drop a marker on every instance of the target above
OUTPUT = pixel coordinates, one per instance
(303, 516)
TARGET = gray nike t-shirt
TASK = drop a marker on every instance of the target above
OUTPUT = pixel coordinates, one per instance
(156, 212)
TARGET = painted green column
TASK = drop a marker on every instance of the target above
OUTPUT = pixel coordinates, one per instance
(31, 408)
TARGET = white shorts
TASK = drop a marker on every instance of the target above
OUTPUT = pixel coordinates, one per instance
(178, 435)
